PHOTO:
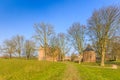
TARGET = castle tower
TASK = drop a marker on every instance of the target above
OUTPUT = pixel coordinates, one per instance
(41, 54)
(89, 55)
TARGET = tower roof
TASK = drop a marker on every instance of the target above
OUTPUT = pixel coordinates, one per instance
(89, 48)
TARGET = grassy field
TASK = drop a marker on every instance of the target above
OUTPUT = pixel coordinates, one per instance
(19, 69)
(98, 73)
(16, 69)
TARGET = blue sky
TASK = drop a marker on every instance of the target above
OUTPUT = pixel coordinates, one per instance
(19, 16)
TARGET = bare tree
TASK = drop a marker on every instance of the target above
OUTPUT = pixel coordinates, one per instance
(102, 26)
(19, 40)
(29, 47)
(54, 48)
(76, 35)
(43, 33)
(9, 47)
(63, 45)
(73, 56)
(114, 48)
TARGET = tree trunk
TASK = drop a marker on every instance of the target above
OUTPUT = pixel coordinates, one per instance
(19, 55)
(79, 61)
(10, 56)
(80, 58)
(28, 57)
(45, 52)
(115, 58)
(63, 59)
(103, 58)
(103, 53)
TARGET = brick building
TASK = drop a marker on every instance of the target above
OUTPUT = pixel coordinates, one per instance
(89, 55)
(50, 56)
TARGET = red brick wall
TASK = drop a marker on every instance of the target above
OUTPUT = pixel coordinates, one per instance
(89, 56)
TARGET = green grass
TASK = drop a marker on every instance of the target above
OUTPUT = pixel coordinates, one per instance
(16, 69)
(95, 72)
(113, 62)
(20, 69)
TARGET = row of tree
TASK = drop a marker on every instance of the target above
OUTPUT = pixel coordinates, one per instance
(102, 28)
(18, 46)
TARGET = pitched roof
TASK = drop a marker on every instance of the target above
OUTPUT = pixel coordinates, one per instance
(89, 48)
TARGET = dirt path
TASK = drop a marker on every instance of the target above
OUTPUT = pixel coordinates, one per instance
(71, 72)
